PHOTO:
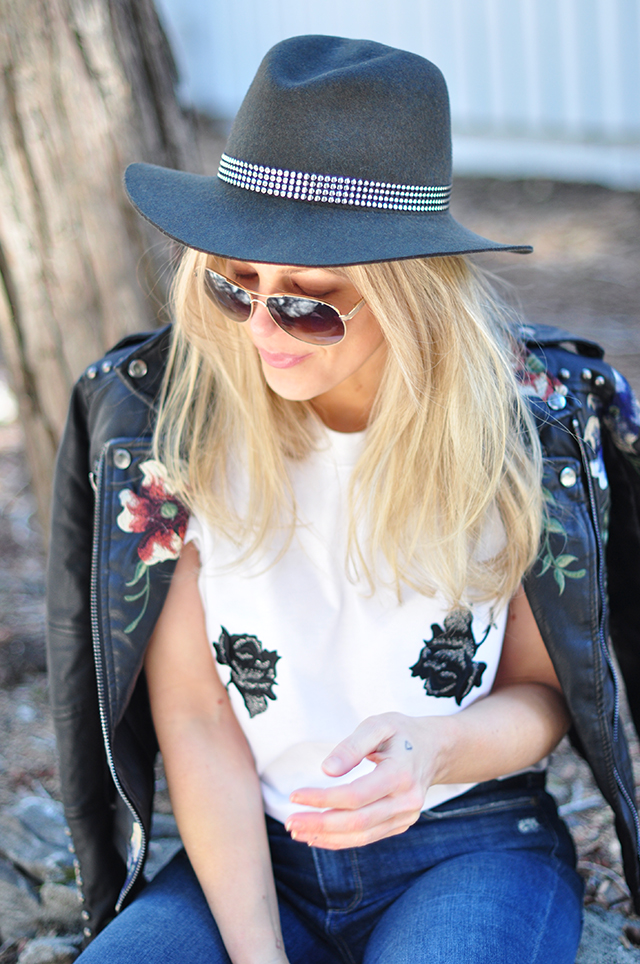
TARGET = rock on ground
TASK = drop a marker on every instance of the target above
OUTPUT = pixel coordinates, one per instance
(19, 905)
(29, 852)
(49, 950)
(35, 869)
(604, 940)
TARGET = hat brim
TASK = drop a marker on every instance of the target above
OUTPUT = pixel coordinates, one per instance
(209, 215)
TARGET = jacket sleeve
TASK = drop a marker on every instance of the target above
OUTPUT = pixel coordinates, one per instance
(87, 788)
(621, 449)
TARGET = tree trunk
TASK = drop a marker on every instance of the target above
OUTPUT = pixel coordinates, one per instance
(86, 87)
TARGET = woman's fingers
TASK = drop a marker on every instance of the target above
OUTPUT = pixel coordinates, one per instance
(366, 740)
(404, 809)
(380, 804)
(385, 780)
(337, 829)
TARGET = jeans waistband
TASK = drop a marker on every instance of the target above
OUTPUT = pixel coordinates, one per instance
(530, 780)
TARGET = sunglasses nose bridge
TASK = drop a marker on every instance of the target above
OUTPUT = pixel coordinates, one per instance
(263, 323)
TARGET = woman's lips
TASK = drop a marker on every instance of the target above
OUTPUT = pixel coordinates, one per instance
(282, 359)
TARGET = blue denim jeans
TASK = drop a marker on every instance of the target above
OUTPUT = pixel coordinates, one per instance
(487, 878)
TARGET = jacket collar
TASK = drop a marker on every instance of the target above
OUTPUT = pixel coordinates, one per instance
(140, 361)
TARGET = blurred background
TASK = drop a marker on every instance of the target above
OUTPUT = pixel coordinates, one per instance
(539, 88)
(545, 99)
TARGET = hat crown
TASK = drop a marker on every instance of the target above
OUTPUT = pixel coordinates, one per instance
(340, 154)
(355, 108)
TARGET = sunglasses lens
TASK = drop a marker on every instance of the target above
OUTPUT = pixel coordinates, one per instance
(233, 301)
(307, 320)
(303, 318)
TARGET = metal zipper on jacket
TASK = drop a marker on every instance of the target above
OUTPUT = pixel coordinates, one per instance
(596, 525)
(601, 637)
(102, 703)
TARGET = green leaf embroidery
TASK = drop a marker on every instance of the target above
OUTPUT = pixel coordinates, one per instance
(547, 496)
(554, 525)
(144, 593)
(546, 563)
(141, 568)
(136, 595)
(563, 561)
(558, 575)
(534, 364)
(560, 563)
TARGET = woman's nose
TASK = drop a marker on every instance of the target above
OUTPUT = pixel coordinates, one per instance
(261, 322)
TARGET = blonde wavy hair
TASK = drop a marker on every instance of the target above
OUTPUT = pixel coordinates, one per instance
(449, 443)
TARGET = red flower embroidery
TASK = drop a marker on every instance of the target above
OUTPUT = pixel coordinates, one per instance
(535, 379)
(156, 512)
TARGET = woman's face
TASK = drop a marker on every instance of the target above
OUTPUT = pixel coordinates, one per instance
(340, 381)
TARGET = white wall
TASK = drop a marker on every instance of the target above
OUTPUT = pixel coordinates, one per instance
(546, 88)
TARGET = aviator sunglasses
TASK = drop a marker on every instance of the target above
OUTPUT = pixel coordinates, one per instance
(306, 319)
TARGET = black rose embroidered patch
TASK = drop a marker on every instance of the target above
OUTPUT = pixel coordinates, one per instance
(446, 661)
(253, 669)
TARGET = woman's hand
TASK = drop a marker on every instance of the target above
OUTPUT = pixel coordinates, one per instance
(515, 726)
(406, 752)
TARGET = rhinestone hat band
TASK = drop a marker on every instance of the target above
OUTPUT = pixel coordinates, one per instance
(332, 190)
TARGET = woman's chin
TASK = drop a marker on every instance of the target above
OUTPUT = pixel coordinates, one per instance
(285, 384)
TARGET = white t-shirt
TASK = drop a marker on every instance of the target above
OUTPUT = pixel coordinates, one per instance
(308, 655)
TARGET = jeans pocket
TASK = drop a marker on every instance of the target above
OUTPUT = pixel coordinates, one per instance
(507, 820)
(477, 807)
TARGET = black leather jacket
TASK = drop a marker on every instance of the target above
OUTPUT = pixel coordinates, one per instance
(113, 549)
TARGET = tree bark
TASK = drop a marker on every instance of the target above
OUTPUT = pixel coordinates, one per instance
(86, 87)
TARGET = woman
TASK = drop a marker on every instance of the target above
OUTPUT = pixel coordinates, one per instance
(341, 416)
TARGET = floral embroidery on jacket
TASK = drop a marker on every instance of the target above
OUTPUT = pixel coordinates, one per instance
(558, 563)
(593, 437)
(155, 512)
(535, 379)
(622, 418)
(446, 661)
(253, 669)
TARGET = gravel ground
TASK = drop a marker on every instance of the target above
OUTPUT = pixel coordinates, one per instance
(583, 276)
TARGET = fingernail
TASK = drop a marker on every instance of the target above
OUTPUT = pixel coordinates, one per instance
(332, 761)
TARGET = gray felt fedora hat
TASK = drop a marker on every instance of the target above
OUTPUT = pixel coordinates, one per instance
(339, 154)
